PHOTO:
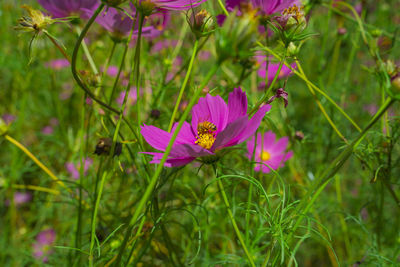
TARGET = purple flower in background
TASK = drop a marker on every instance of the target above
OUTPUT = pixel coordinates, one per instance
(73, 169)
(215, 125)
(66, 8)
(266, 7)
(57, 64)
(115, 21)
(42, 246)
(20, 198)
(131, 97)
(273, 68)
(49, 129)
(8, 118)
(268, 151)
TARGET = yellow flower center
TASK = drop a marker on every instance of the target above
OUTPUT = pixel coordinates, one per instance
(205, 134)
(205, 140)
(265, 155)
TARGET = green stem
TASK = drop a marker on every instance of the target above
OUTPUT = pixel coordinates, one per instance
(87, 53)
(234, 224)
(317, 187)
(223, 8)
(178, 101)
(108, 61)
(118, 74)
(154, 178)
(74, 58)
(96, 208)
(313, 86)
(265, 96)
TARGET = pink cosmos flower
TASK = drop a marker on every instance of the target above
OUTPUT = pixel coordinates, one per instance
(58, 64)
(42, 246)
(215, 125)
(268, 151)
(66, 8)
(73, 169)
(266, 7)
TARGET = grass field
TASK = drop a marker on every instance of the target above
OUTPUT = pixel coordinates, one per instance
(271, 133)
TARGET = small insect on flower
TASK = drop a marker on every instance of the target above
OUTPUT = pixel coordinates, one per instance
(104, 145)
(206, 127)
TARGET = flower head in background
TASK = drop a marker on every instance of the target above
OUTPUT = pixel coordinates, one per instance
(42, 247)
(265, 7)
(20, 198)
(268, 151)
(73, 169)
(57, 64)
(215, 125)
(63, 8)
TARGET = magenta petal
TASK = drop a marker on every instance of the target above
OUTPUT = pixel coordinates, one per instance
(254, 123)
(218, 110)
(229, 135)
(185, 135)
(156, 137)
(237, 104)
(212, 109)
(200, 112)
(269, 140)
(189, 150)
(280, 146)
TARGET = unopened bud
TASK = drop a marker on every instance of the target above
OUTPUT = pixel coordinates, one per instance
(292, 49)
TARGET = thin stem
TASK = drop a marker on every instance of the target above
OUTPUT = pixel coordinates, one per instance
(96, 207)
(234, 224)
(317, 187)
(74, 58)
(223, 8)
(265, 96)
(121, 65)
(313, 86)
(62, 50)
(87, 52)
(178, 101)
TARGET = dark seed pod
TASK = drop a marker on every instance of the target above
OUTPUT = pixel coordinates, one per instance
(103, 147)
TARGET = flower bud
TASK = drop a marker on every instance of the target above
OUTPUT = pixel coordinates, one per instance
(396, 84)
(292, 49)
(201, 23)
(146, 7)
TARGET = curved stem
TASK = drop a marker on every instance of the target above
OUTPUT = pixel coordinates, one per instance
(178, 101)
(306, 203)
(313, 86)
(74, 58)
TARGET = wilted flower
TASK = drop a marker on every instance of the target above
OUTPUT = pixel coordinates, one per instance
(73, 169)
(215, 125)
(280, 93)
(268, 151)
(63, 8)
(42, 246)
(35, 22)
